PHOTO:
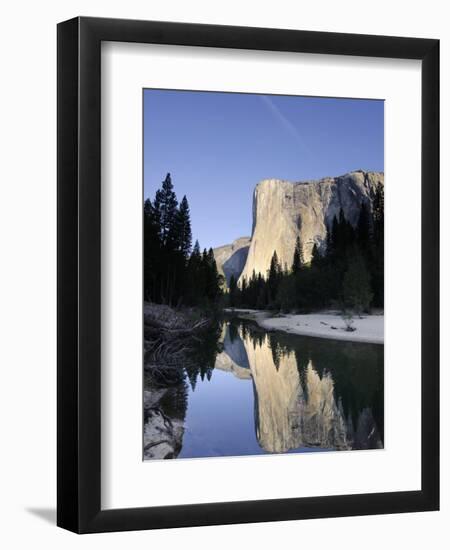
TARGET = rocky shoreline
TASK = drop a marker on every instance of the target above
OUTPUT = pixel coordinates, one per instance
(172, 339)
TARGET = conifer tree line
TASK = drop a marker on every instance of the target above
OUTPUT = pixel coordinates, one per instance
(175, 273)
(348, 273)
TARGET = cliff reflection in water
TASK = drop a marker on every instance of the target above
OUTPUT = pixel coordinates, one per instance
(300, 394)
(305, 397)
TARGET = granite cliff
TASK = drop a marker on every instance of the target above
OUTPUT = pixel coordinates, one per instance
(283, 210)
(231, 258)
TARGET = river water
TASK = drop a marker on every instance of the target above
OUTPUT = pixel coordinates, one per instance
(268, 392)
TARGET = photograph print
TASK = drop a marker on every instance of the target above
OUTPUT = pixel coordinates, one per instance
(263, 274)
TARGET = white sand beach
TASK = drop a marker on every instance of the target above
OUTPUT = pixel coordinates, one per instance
(327, 324)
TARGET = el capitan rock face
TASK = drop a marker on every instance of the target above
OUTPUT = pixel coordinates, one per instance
(282, 210)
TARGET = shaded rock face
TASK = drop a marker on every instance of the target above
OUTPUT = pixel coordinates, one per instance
(231, 258)
(234, 346)
(366, 434)
(234, 359)
(283, 210)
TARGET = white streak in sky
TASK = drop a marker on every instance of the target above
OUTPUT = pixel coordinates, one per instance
(283, 121)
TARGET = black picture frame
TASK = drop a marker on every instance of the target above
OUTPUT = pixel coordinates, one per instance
(79, 280)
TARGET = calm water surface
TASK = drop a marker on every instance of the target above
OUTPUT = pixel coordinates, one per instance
(272, 392)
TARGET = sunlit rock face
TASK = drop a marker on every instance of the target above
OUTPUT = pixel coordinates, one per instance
(289, 415)
(283, 210)
(278, 396)
(231, 258)
(322, 419)
(293, 411)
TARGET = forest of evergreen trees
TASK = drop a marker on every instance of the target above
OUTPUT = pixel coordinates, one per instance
(175, 273)
(347, 274)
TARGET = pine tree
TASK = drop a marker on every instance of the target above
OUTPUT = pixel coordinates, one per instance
(172, 263)
(183, 228)
(334, 240)
(192, 373)
(165, 205)
(357, 291)
(232, 285)
(273, 276)
(244, 291)
(209, 279)
(378, 214)
(315, 255)
(274, 269)
(363, 228)
(151, 251)
(329, 241)
(343, 233)
(297, 261)
(195, 284)
(261, 300)
(196, 249)
(214, 280)
(205, 276)
(378, 237)
(150, 213)
(286, 293)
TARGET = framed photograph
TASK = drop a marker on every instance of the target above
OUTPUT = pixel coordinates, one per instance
(248, 288)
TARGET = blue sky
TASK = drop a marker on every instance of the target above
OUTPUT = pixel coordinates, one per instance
(217, 146)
